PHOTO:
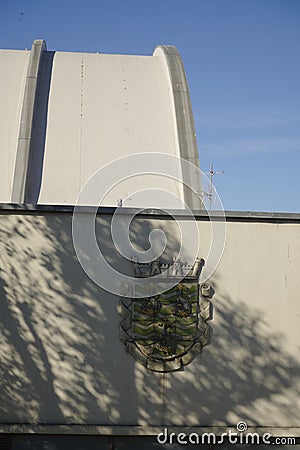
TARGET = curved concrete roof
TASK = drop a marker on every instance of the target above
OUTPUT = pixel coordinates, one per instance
(69, 114)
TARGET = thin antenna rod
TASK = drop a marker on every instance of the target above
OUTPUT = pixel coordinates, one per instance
(211, 174)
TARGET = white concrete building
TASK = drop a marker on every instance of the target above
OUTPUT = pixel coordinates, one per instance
(69, 114)
(68, 376)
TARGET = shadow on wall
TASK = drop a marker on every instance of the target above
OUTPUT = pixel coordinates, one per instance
(55, 327)
(244, 374)
(61, 360)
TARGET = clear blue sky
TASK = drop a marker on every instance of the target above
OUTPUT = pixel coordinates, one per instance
(242, 59)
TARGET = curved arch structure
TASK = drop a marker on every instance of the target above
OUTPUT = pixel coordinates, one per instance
(73, 113)
(185, 128)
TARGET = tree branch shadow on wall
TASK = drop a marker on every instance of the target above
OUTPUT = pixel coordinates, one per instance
(245, 373)
(62, 361)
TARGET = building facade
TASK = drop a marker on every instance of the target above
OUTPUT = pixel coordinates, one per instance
(207, 351)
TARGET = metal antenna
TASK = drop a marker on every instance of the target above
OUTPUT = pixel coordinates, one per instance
(211, 174)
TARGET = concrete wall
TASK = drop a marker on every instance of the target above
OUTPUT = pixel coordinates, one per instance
(61, 360)
(69, 114)
(104, 107)
(13, 73)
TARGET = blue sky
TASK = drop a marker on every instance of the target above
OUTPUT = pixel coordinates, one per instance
(242, 61)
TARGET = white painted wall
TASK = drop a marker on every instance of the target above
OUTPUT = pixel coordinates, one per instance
(90, 110)
(61, 359)
(13, 72)
(104, 107)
